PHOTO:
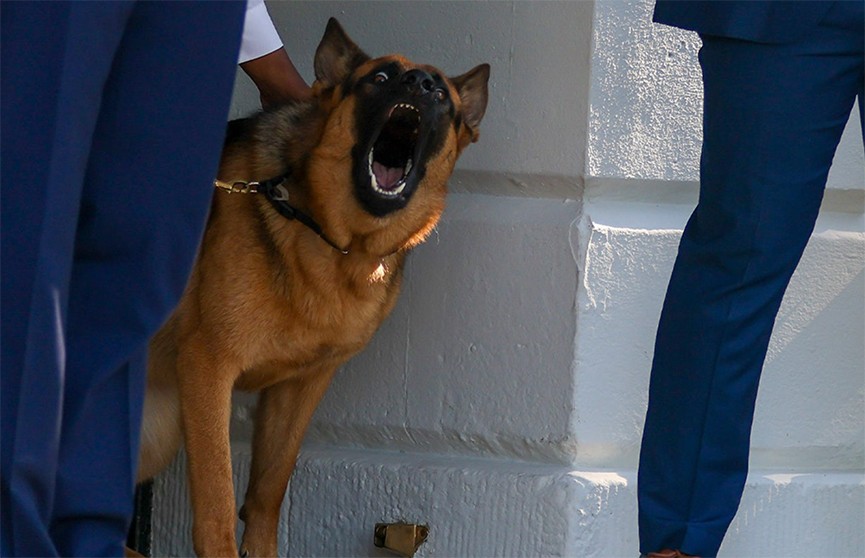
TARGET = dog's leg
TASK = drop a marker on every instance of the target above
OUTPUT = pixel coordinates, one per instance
(205, 393)
(284, 411)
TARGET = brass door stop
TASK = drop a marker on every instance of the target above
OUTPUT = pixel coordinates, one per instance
(400, 538)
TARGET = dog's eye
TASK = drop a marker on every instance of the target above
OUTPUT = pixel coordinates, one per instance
(380, 77)
(439, 95)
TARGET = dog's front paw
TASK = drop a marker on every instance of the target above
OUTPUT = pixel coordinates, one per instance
(257, 551)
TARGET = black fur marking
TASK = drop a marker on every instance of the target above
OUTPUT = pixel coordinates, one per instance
(375, 100)
(237, 129)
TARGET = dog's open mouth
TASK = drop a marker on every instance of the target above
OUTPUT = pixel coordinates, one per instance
(390, 159)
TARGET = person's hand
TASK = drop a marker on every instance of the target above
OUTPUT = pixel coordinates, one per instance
(277, 79)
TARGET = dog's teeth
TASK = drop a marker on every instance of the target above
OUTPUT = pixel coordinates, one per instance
(407, 106)
(387, 193)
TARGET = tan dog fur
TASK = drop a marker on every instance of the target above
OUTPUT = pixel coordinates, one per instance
(271, 307)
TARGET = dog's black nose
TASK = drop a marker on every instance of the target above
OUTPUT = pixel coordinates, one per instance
(418, 82)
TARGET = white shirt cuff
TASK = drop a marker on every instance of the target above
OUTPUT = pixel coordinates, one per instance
(259, 34)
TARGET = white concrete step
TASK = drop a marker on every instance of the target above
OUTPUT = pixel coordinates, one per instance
(489, 507)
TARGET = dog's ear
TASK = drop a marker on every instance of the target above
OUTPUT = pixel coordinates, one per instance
(472, 88)
(337, 56)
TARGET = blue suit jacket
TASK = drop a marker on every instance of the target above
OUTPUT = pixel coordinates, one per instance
(772, 21)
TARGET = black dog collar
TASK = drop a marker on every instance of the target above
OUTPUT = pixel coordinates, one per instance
(277, 194)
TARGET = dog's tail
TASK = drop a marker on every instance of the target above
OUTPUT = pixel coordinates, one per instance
(161, 433)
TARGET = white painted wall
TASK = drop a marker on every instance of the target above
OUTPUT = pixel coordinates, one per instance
(503, 401)
(646, 102)
(642, 167)
(538, 52)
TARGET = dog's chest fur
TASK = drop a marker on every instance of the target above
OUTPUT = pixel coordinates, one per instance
(299, 304)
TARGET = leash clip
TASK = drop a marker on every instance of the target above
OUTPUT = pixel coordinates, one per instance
(237, 187)
(277, 194)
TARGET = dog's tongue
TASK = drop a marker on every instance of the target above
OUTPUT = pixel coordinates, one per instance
(387, 177)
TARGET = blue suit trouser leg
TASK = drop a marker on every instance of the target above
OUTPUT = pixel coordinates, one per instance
(773, 117)
(113, 117)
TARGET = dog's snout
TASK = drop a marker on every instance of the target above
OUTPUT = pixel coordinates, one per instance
(418, 82)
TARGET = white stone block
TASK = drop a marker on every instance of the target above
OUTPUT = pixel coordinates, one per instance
(812, 393)
(477, 356)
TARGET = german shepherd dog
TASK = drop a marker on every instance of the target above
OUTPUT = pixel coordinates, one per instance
(301, 262)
